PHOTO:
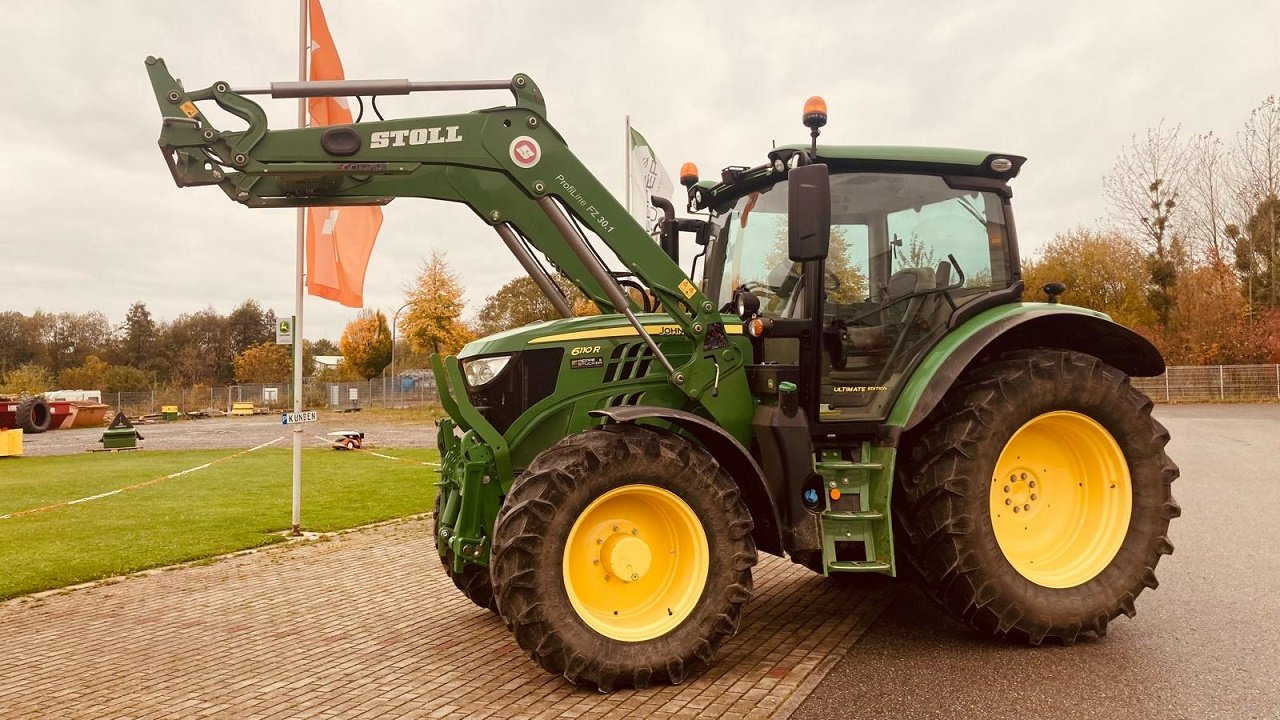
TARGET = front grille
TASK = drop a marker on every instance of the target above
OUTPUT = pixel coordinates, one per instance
(628, 361)
(530, 377)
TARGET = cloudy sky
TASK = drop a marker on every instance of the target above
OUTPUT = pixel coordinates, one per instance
(90, 219)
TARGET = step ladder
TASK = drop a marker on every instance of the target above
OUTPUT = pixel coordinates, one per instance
(857, 535)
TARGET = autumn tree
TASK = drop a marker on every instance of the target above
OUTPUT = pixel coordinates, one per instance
(26, 379)
(1143, 191)
(433, 319)
(69, 338)
(195, 349)
(1209, 322)
(89, 375)
(366, 344)
(263, 363)
(1102, 271)
(520, 302)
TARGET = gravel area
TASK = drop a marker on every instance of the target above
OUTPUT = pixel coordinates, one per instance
(238, 433)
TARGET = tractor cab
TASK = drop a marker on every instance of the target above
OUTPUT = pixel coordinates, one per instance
(919, 239)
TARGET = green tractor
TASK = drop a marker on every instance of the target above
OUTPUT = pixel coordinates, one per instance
(855, 383)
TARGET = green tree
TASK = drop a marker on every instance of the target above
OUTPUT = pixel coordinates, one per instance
(433, 321)
(138, 335)
(263, 363)
(366, 344)
(1256, 161)
(1102, 271)
(248, 325)
(846, 280)
(90, 375)
(18, 344)
(1256, 260)
(195, 349)
(125, 378)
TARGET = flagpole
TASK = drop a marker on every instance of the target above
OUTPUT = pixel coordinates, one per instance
(297, 291)
(627, 144)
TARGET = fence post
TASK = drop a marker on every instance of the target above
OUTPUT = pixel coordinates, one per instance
(1222, 391)
(1278, 380)
(1167, 398)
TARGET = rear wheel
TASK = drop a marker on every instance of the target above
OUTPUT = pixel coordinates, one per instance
(1036, 501)
(623, 557)
(473, 581)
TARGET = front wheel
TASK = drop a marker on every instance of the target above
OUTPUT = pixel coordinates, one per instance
(1036, 501)
(622, 557)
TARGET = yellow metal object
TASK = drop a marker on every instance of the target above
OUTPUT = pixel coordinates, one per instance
(1061, 497)
(620, 332)
(241, 408)
(636, 563)
(11, 442)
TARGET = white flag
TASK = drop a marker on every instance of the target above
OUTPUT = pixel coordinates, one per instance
(648, 178)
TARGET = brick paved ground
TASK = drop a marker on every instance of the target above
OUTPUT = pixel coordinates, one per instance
(365, 625)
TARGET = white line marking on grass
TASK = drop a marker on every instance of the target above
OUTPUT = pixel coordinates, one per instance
(140, 485)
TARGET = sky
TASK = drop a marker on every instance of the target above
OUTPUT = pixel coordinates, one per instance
(91, 220)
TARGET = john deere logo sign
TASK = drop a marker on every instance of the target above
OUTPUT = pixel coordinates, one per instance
(284, 332)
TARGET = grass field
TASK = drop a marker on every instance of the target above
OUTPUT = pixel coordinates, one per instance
(235, 504)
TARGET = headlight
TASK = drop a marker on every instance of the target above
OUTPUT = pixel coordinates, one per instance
(482, 370)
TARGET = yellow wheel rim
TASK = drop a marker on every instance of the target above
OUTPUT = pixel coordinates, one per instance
(636, 563)
(1061, 498)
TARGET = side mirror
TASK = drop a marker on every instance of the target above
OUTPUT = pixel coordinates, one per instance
(808, 213)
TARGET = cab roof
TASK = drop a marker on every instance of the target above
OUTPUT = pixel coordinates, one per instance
(954, 162)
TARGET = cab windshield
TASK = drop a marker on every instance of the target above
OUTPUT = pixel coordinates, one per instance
(883, 225)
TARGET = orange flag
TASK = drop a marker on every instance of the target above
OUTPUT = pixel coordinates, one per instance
(339, 239)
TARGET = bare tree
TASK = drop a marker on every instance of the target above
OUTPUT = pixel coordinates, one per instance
(1143, 191)
(1210, 209)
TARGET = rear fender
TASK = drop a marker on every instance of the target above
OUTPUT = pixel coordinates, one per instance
(1014, 327)
(731, 455)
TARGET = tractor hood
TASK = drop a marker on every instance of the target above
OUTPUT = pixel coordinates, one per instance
(578, 329)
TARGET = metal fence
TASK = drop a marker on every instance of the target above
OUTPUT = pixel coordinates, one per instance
(278, 397)
(1213, 383)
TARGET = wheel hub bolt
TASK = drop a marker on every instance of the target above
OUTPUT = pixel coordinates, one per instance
(1016, 508)
(1007, 488)
(1033, 496)
(1027, 506)
(1008, 501)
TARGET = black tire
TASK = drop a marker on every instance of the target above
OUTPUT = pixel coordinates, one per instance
(944, 492)
(473, 581)
(33, 415)
(531, 534)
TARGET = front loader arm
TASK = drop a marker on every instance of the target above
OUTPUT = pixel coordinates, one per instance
(506, 163)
